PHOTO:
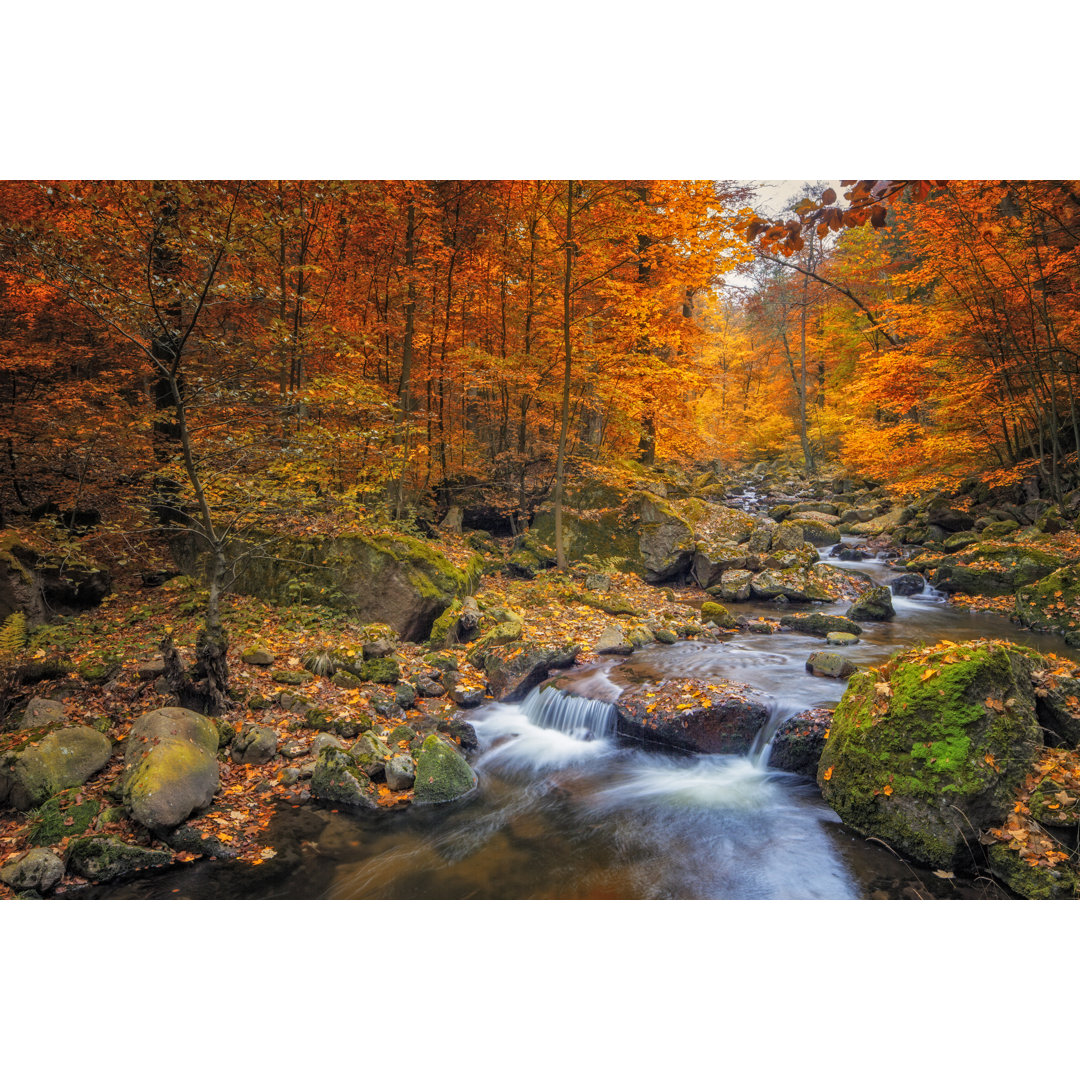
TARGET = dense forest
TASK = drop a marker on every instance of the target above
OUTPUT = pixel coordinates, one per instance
(296, 475)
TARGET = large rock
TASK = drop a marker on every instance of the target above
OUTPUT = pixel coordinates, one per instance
(799, 742)
(875, 604)
(442, 774)
(170, 767)
(513, 670)
(665, 543)
(39, 585)
(883, 523)
(820, 625)
(100, 858)
(255, 745)
(818, 533)
(701, 716)
(42, 712)
(990, 568)
(337, 778)
(792, 584)
(392, 578)
(41, 762)
(925, 762)
(830, 664)
(736, 584)
(38, 869)
(1052, 604)
(950, 518)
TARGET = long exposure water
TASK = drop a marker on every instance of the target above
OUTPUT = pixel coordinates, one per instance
(565, 810)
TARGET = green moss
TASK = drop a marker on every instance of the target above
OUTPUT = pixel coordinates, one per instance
(442, 774)
(444, 624)
(62, 816)
(717, 613)
(948, 747)
(383, 670)
(1033, 882)
(292, 678)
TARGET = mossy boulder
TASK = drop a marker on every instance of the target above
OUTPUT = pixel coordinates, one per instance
(442, 773)
(736, 584)
(818, 533)
(337, 778)
(926, 762)
(40, 762)
(100, 858)
(875, 605)
(1059, 882)
(388, 578)
(830, 664)
(170, 767)
(66, 814)
(792, 584)
(1052, 604)
(820, 625)
(717, 613)
(370, 755)
(383, 670)
(994, 568)
(998, 529)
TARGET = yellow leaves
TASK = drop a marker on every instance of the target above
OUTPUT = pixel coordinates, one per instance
(883, 689)
(989, 759)
(929, 673)
(827, 775)
(685, 705)
(887, 789)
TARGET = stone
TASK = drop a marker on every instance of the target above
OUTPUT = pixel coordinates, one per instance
(46, 761)
(200, 838)
(38, 869)
(292, 748)
(792, 584)
(337, 778)
(907, 585)
(830, 664)
(149, 670)
(42, 712)
(428, 687)
(718, 614)
(735, 584)
(101, 859)
(799, 741)
(950, 518)
(875, 604)
(665, 636)
(442, 773)
(258, 657)
(405, 695)
(600, 583)
(727, 725)
(925, 764)
(513, 670)
(255, 745)
(468, 697)
(400, 772)
(838, 638)
(820, 625)
(370, 754)
(381, 670)
(322, 741)
(170, 767)
(818, 533)
(612, 642)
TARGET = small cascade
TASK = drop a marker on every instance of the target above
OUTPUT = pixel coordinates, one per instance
(758, 754)
(931, 594)
(580, 718)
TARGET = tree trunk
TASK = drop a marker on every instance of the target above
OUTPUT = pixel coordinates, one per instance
(560, 463)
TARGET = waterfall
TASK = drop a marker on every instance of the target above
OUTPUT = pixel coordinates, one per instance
(581, 718)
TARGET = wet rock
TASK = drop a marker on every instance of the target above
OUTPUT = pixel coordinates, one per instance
(442, 774)
(820, 625)
(907, 585)
(462, 731)
(1057, 705)
(1032, 882)
(45, 761)
(428, 687)
(792, 584)
(799, 741)
(926, 763)
(337, 778)
(830, 664)
(874, 604)
(400, 772)
(468, 697)
(717, 613)
(724, 720)
(665, 636)
(38, 869)
(513, 670)
(200, 838)
(255, 745)
(42, 712)
(839, 639)
(170, 766)
(100, 858)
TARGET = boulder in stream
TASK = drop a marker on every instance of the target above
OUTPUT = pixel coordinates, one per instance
(442, 773)
(699, 715)
(513, 670)
(875, 604)
(928, 750)
(799, 741)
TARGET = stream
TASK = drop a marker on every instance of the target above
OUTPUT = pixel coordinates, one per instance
(564, 810)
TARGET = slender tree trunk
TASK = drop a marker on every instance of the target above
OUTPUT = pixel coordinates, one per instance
(560, 463)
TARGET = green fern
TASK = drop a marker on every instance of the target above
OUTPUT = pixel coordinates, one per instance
(13, 633)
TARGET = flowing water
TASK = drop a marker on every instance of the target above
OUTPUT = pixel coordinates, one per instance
(565, 810)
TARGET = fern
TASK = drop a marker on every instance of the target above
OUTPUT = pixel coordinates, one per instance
(13, 633)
